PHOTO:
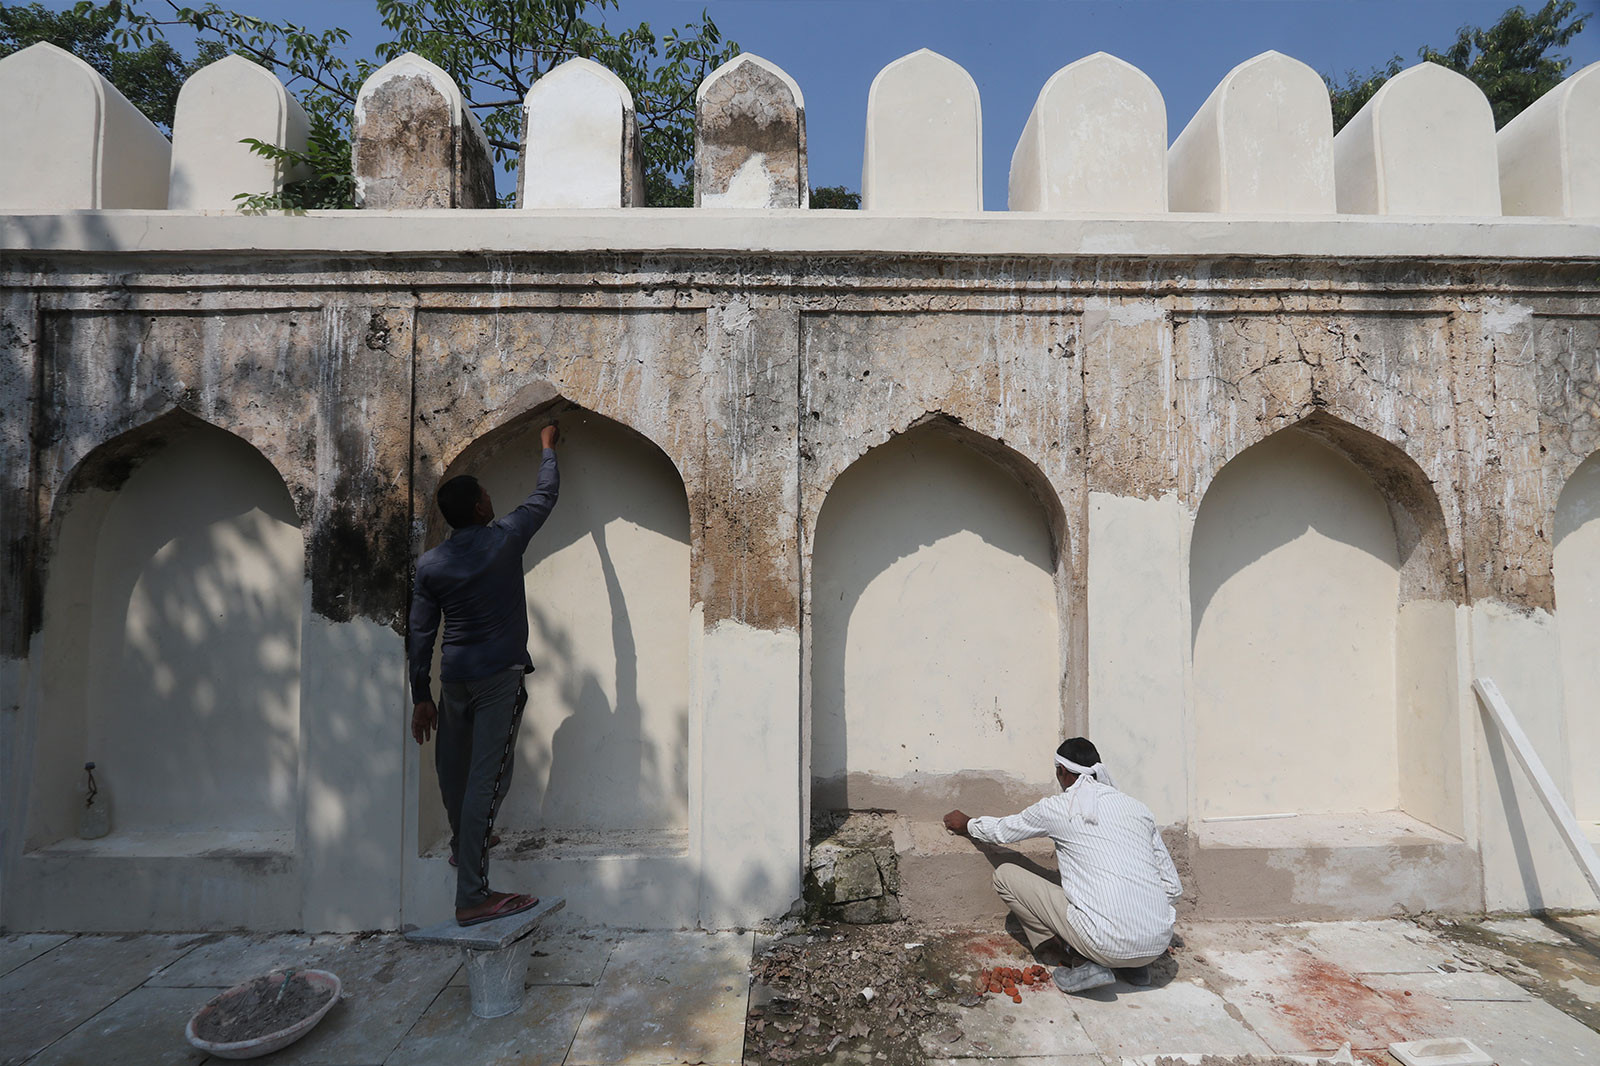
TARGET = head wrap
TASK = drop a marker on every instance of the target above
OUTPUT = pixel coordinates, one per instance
(1086, 803)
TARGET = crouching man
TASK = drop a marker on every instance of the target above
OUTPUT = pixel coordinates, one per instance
(1113, 906)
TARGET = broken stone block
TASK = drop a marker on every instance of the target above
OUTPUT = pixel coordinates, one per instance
(750, 137)
(1096, 140)
(853, 875)
(580, 141)
(924, 149)
(73, 142)
(415, 143)
(1423, 145)
(1261, 143)
(1550, 154)
(218, 107)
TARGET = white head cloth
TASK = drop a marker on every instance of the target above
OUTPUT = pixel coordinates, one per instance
(1087, 803)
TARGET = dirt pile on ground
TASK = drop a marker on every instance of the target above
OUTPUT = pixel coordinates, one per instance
(878, 989)
(266, 1005)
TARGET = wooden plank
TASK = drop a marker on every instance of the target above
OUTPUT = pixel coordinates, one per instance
(490, 936)
(1489, 695)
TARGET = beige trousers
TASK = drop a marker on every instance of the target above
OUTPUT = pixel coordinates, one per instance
(1041, 906)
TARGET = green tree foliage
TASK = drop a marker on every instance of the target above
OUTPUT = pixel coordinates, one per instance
(149, 76)
(494, 49)
(836, 196)
(1511, 61)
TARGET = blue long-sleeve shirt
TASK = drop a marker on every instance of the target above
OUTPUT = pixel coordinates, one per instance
(475, 579)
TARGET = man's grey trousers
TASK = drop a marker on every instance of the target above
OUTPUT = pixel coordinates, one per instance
(475, 754)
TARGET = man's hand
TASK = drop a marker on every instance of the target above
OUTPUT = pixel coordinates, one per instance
(424, 717)
(550, 435)
(956, 822)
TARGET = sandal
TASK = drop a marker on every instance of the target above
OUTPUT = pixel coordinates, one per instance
(512, 904)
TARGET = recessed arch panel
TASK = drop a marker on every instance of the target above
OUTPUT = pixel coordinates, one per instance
(936, 645)
(171, 639)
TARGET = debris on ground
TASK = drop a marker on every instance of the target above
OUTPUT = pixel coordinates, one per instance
(810, 1001)
(268, 1004)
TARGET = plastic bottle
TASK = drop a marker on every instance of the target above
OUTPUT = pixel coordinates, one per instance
(94, 816)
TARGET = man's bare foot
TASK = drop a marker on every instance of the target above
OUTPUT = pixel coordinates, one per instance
(496, 905)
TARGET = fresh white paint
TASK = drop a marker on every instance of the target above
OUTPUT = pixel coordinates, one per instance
(935, 633)
(1262, 143)
(173, 658)
(1294, 585)
(1549, 155)
(924, 150)
(580, 133)
(73, 142)
(1096, 140)
(218, 108)
(1423, 145)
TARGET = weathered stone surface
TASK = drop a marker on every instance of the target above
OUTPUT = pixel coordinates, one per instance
(750, 137)
(414, 142)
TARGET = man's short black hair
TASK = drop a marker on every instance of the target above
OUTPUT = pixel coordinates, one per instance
(458, 500)
(1079, 750)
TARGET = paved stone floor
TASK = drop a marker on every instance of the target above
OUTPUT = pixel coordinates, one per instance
(1525, 990)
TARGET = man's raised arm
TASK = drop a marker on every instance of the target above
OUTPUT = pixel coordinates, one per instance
(524, 521)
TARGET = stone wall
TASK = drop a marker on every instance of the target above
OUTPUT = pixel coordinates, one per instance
(864, 510)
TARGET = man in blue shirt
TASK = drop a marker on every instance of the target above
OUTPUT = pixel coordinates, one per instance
(475, 579)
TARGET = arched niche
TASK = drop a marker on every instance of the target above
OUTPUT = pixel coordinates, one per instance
(1577, 588)
(171, 644)
(1322, 606)
(603, 746)
(937, 651)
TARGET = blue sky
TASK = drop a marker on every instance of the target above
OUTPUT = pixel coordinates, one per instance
(833, 48)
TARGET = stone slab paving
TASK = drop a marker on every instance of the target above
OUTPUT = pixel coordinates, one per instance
(571, 958)
(224, 961)
(1180, 1017)
(1525, 1034)
(388, 984)
(1464, 985)
(669, 998)
(1376, 947)
(1040, 1060)
(538, 1034)
(143, 1028)
(17, 950)
(45, 999)
(1041, 1025)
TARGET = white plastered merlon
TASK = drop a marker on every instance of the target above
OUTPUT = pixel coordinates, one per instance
(218, 107)
(577, 138)
(924, 143)
(754, 60)
(1262, 143)
(1550, 154)
(73, 141)
(1423, 145)
(1096, 140)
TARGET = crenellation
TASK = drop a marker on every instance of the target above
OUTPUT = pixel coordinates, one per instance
(1262, 143)
(218, 107)
(1423, 145)
(1187, 451)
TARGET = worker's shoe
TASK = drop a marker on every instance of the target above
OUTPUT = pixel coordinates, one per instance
(1082, 977)
(1137, 976)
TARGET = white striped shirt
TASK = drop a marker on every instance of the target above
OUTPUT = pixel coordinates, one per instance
(1119, 880)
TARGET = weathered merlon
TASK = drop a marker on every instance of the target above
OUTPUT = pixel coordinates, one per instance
(416, 143)
(750, 137)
